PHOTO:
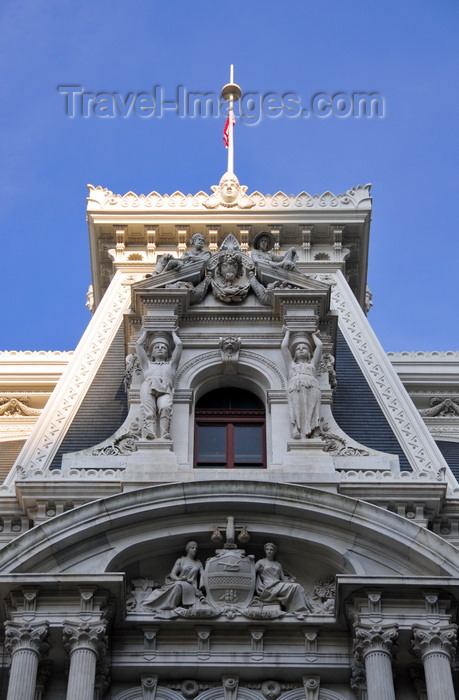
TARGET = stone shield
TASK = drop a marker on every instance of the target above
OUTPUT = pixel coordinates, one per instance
(229, 578)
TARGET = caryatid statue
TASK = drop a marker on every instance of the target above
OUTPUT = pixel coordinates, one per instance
(304, 395)
(159, 361)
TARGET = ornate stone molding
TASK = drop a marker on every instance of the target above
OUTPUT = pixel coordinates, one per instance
(447, 407)
(388, 389)
(420, 355)
(13, 355)
(85, 635)
(372, 638)
(12, 407)
(61, 408)
(100, 198)
(428, 639)
(26, 636)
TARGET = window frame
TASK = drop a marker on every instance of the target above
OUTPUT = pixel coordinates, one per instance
(230, 418)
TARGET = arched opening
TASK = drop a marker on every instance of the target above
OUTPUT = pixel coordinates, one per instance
(230, 430)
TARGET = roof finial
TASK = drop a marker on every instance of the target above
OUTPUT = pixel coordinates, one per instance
(230, 92)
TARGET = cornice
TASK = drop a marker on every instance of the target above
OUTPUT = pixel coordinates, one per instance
(100, 198)
(27, 355)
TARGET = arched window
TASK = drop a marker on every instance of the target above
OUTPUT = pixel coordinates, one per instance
(230, 430)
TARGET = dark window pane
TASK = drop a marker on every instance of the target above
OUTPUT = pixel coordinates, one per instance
(229, 398)
(248, 447)
(212, 443)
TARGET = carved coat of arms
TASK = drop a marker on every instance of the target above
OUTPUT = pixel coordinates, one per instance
(229, 578)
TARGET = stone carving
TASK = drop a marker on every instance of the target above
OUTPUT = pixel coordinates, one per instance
(92, 635)
(123, 442)
(231, 584)
(304, 395)
(368, 300)
(440, 407)
(229, 193)
(182, 585)
(102, 198)
(263, 243)
(374, 638)
(413, 436)
(26, 636)
(196, 253)
(275, 586)
(229, 272)
(271, 690)
(44, 673)
(229, 578)
(338, 445)
(229, 348)
(324, 594)
(64, 402)
(132, 367)
(434, 639)
(90, 302)
(158, 384)
(10, 406)
(329, 362)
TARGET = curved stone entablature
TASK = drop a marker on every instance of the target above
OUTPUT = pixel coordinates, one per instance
(335, 532)
(101, 198)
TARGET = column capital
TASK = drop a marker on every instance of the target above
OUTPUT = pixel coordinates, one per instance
(428, 639)
(26, 636)
(374, 638)
(86, 635)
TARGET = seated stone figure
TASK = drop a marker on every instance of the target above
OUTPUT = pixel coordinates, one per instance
(274, 586)
(196, 253)
(181, 587)
(262, 246)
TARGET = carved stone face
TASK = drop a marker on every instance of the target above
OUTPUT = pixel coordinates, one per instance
(159, 351)
(270, 550)
(230, 345)
(229, 188)
(302, 352)
(192, 549)
(198, 241)
(264, 244)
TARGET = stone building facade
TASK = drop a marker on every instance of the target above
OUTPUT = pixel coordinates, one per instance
(232, 493)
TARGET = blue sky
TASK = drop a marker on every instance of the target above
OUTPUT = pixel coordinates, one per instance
(406, 51)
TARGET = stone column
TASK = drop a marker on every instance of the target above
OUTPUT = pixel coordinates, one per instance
(85, 643)
(26, 643)
(436, 647)
(374, 645)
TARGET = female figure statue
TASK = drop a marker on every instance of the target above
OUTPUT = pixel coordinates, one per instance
(274, 586)
(303, 387)
(181, 587)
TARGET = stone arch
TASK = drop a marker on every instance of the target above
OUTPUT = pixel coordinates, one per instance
(298, 694)
(206, 372)
(242, 694)
(308, 524)
(251, 365)
(161, 694)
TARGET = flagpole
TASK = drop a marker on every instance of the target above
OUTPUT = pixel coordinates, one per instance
(231, 92)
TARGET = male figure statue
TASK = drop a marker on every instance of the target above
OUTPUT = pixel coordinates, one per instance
(159, 366)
